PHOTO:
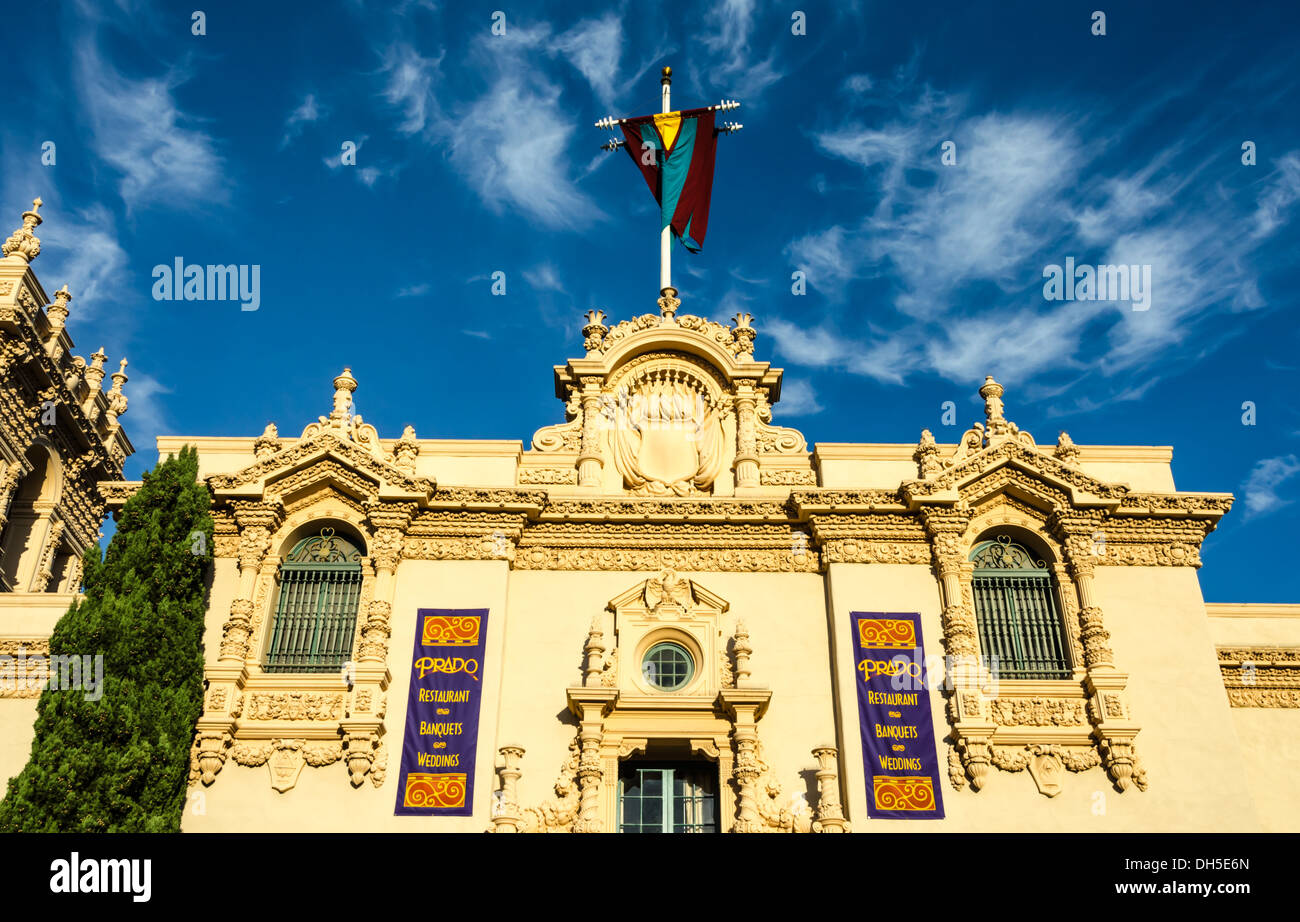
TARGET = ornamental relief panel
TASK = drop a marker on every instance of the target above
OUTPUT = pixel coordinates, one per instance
(1261, 676)
(663, 422)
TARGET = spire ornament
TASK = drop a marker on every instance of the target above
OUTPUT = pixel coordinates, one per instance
(23, 242)
(744, 333)
(117, 401)
(58, 311)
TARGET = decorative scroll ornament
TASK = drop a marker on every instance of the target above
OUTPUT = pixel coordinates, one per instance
(1003, 554)
(324, 548)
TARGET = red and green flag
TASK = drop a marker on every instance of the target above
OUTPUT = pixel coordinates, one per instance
(675, 153)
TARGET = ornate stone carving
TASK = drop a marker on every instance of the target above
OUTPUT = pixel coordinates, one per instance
(557, 815)
(27, 670)
(548, 475)
(24, 242)
(1066, 451)
(268, 443)
(830, 814)
(295, 706)
(1261, 677)
(1038, 712)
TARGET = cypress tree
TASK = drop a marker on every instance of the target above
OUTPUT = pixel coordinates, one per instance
(120, 763)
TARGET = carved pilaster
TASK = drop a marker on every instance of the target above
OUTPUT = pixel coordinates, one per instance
(236, 631)
(375, 631)
(946, 531)
(746, 772)
(590, 460)
(45, 567)
(746, 436)
(830, 814)
(744, 707)
(507, 816)
(1085, 545)
(590, 705)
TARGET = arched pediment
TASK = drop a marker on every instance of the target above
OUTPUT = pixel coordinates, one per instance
(1033, 471)
(668, 405)
(323, 459)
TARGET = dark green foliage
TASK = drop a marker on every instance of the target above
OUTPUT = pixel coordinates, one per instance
(121, 763)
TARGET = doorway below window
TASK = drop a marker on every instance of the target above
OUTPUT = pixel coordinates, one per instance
(668, 797)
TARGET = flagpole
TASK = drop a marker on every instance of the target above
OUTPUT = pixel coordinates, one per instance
(665, 236)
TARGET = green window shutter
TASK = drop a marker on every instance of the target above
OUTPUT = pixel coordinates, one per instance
(316, 614)
(1016, 614)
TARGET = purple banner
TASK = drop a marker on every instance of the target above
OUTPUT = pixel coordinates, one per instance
(895, 718)
(441, 738)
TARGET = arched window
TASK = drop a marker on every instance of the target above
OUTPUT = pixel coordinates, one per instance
(1016, 612)
(316, 615)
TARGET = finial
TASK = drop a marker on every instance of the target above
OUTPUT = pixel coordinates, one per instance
(405, 451)
(344, 385)
(744, 333)
(23, 242)
(668, 302)
(117, 401)
(1066, 451)
(992, 392)
(593, 334)
(268, 443)
(666, 75)
(98, 357)
(57, 312)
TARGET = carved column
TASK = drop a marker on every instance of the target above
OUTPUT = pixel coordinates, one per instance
(746, 436)
(45, 563)
(744, 707)
(1113, 727)
(8, 482)
(590, 461)
(255, 520)
(1084, 543)
(390, 522)
(946, 530)
(830, 814)
(508, 817)
(590, 705)
(967, 675)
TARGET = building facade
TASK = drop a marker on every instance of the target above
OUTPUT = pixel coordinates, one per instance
(60, 438)
(662, 615)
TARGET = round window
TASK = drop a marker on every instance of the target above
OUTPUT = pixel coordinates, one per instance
(667, 666)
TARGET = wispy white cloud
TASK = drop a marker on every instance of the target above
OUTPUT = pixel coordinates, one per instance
(308, 111)
(594, 47)
(798, 399)
(413, 291)
(137, 128)
(544, 278)
(728, 26)
(510, 143)
(1261, 486)
(86, 254)
(1026, 192)
(409, 80)
(145, 418)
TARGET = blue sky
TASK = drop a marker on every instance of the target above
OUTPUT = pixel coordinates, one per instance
(476, 154)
